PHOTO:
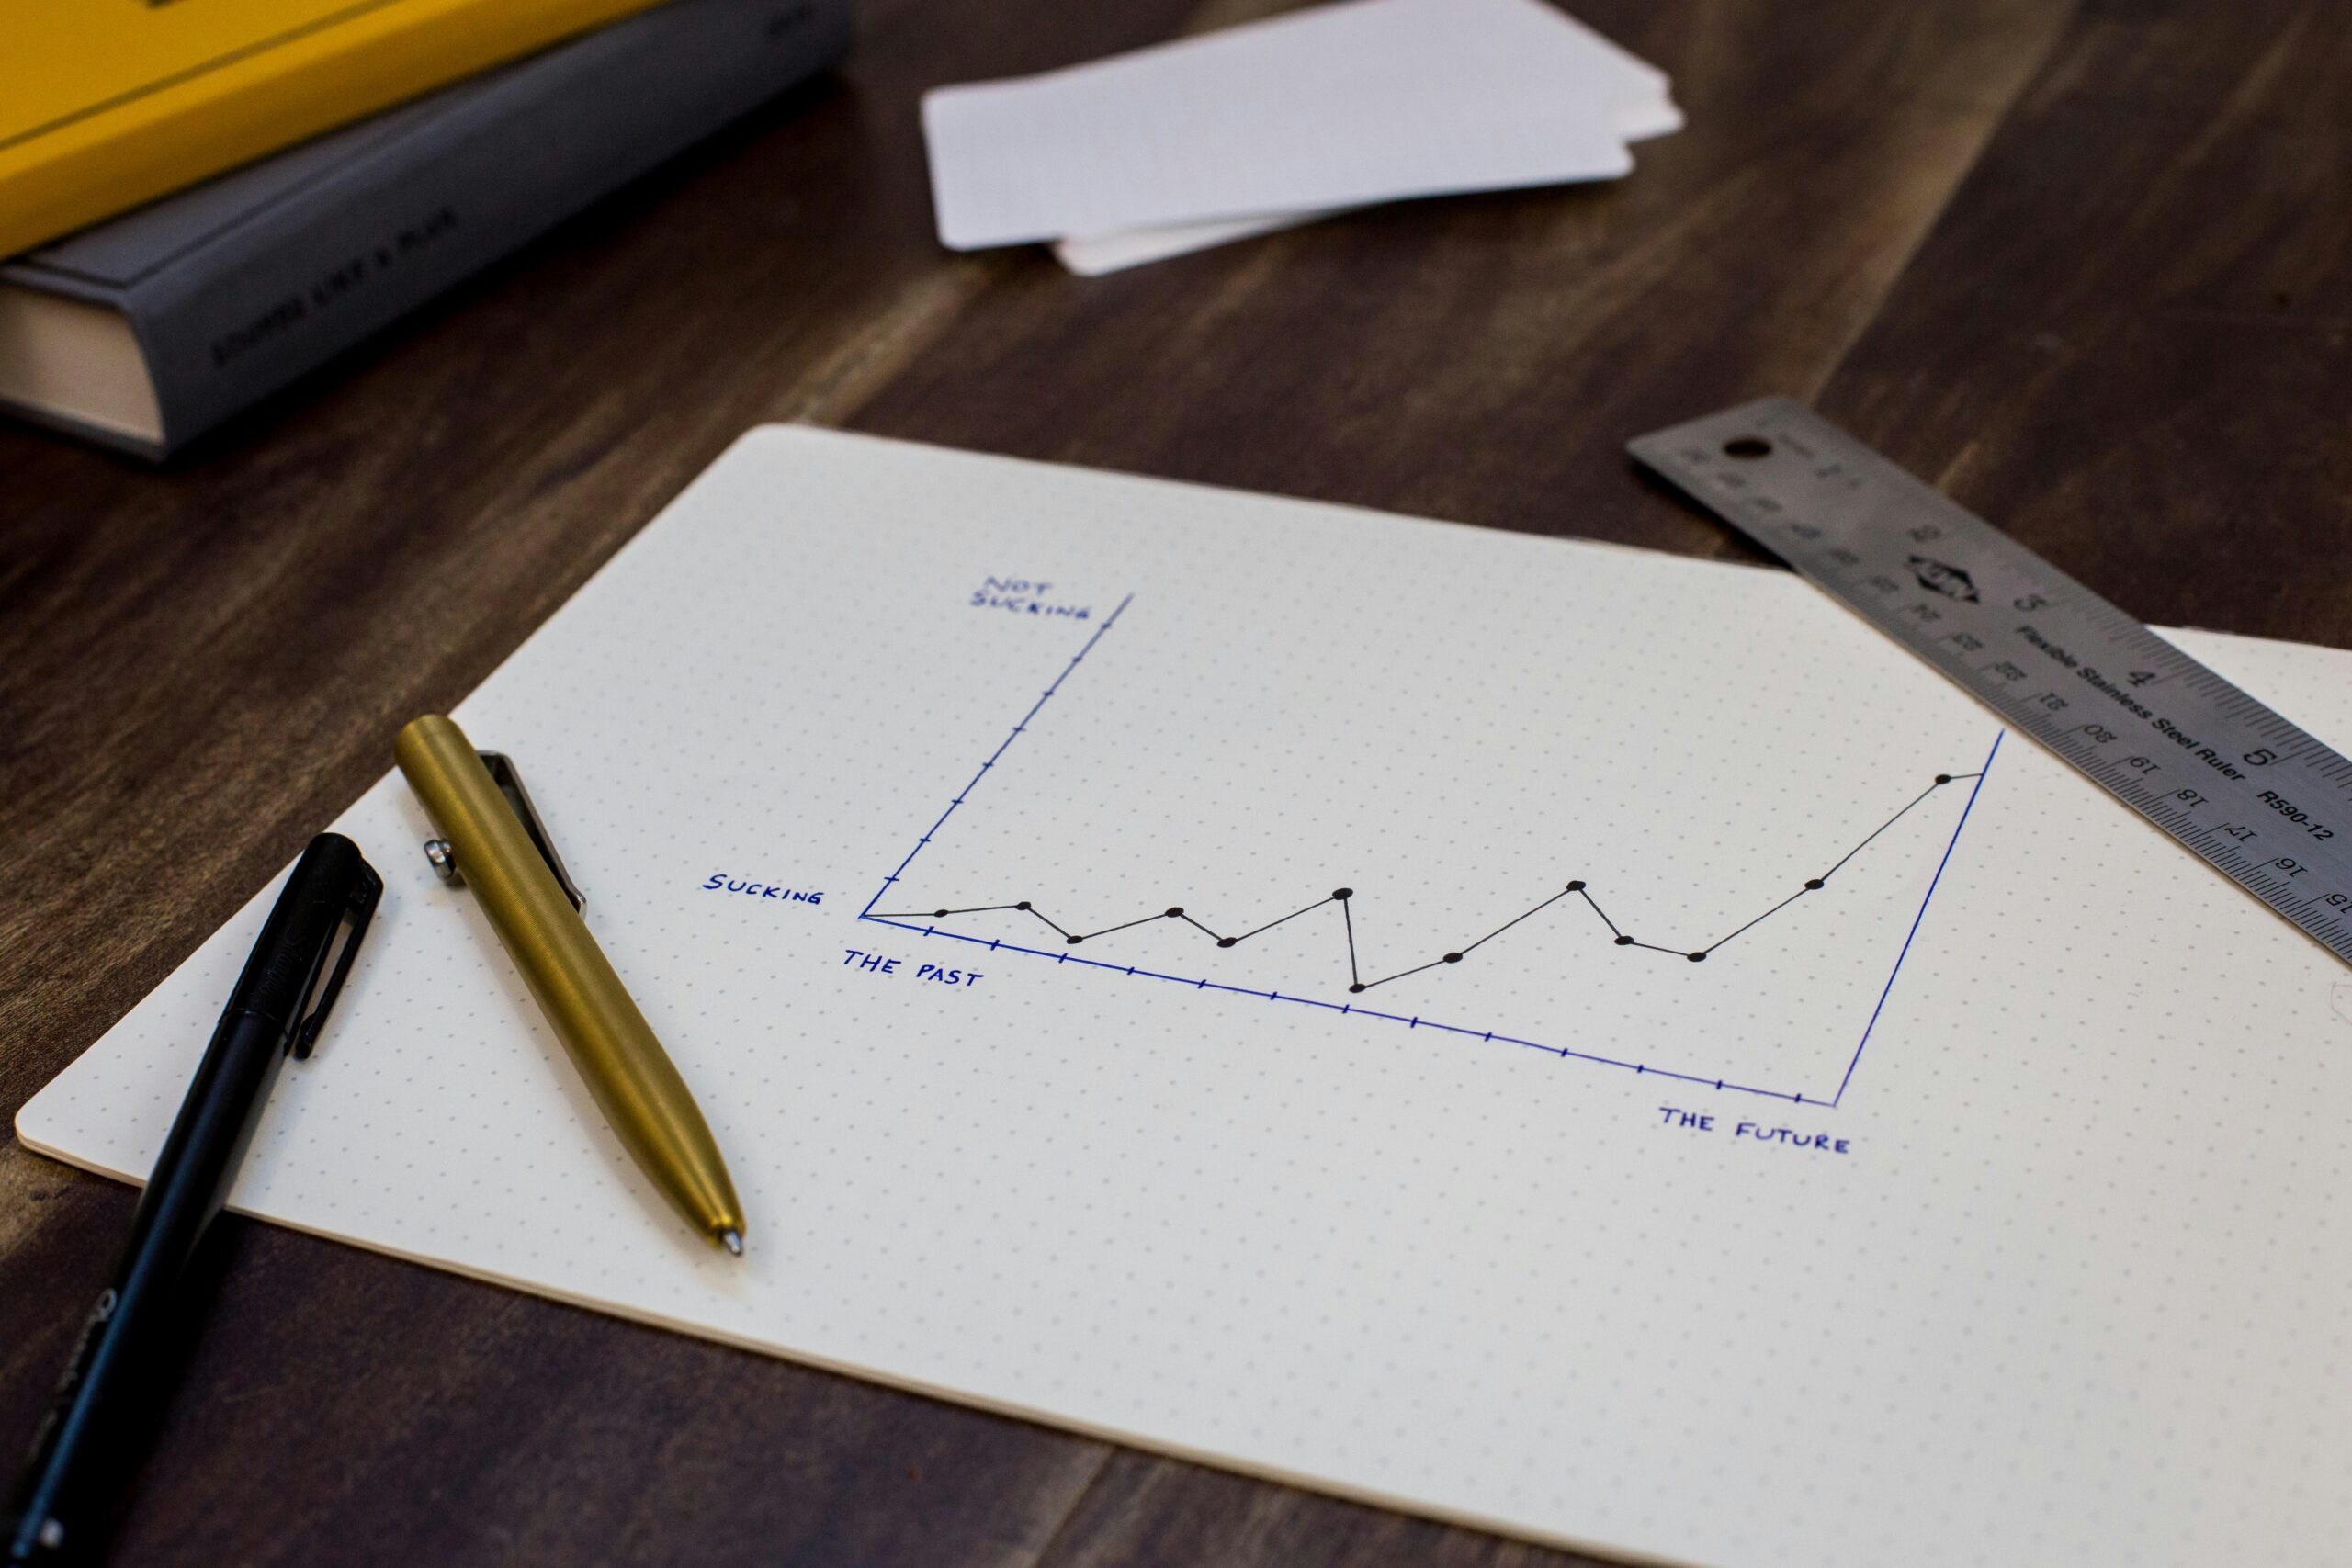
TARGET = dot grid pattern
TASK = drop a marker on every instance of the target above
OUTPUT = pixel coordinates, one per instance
(2074, 1295)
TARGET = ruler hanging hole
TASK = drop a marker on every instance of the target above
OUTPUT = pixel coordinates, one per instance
(1748, 447)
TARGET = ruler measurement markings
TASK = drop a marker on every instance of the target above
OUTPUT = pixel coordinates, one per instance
(1989, 614)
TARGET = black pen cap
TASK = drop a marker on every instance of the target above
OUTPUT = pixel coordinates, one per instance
(307, 946)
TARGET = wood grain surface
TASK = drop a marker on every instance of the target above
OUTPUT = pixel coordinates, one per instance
(2089, 266)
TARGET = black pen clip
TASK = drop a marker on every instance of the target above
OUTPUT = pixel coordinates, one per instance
(334, 965)
(502, 774)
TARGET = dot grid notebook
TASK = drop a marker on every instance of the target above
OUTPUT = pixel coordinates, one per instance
(1576, 1041)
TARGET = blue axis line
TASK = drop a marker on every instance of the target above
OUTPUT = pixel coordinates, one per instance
(1932, 882)
(1112, 620)
(997, 944)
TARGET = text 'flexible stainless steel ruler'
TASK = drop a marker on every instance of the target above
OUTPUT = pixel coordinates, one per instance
(2233, 782)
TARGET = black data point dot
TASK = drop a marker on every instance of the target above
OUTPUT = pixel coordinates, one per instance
(1073, 941)
(939, 914)
(1343, 893)
(1812, 886)
(1023, 905)
(1355, 989)
(1624, 942)
(1698, 958)
(1576, 886)
(1176, 913)
(1227, 941)
(1454, 958)
(1943, 778)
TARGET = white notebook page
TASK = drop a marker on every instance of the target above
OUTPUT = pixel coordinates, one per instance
(2014, 1233)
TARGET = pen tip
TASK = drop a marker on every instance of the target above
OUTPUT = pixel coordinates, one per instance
(732, 1240)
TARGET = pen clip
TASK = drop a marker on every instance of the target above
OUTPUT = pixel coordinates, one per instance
(334, 963)
(504, 773)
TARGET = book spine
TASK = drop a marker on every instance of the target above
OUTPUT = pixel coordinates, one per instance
(316, 274)
(152, 138)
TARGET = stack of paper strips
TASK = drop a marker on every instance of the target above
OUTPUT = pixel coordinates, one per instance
(1193, 143)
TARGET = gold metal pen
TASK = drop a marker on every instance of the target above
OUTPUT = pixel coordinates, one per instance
(492, 839)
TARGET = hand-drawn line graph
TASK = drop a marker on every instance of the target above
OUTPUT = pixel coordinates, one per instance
(1345, 899)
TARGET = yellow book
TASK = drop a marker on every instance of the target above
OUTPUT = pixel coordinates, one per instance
(106, 103)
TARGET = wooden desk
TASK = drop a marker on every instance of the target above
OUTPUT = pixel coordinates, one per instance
(2088, 267)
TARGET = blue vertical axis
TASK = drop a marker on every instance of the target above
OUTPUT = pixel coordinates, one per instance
(1982, 773)
(1112, 620)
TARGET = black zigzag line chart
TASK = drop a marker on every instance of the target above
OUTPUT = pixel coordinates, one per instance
(1573, 902)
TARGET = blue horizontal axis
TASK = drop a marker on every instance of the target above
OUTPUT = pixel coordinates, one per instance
(997, 944)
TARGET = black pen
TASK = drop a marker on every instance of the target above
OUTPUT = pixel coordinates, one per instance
(57, 1511)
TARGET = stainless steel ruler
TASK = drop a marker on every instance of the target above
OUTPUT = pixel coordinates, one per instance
(2233, 782)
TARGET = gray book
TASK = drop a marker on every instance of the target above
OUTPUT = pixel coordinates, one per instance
(150, 329)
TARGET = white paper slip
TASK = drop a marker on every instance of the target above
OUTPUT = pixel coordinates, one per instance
(974, 834)
(1633, 121)
(1338, 106)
